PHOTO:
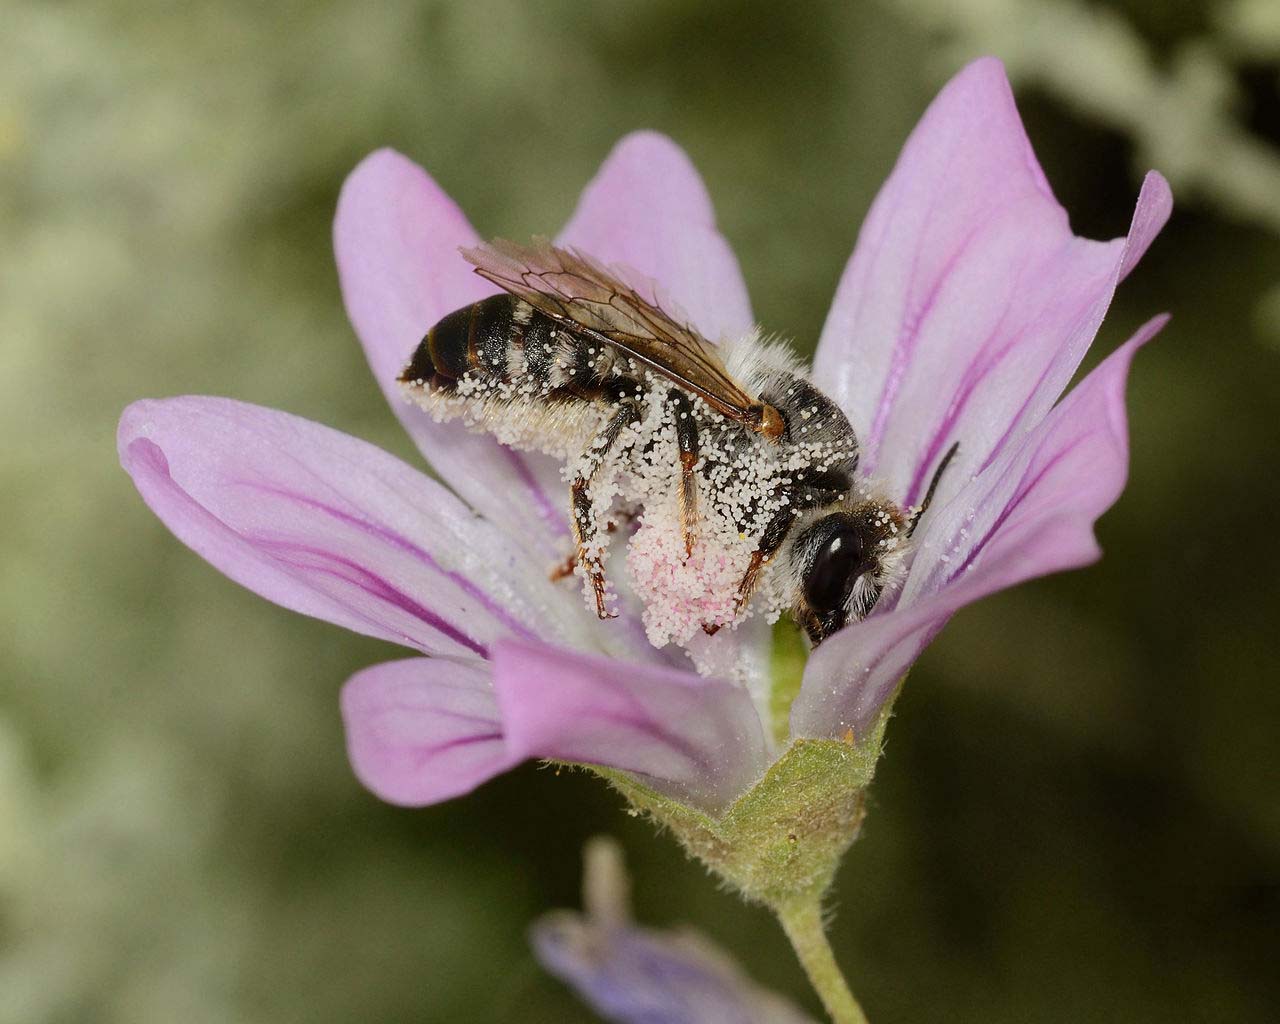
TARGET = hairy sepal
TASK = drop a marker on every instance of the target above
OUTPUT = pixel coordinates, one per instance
(783, 839)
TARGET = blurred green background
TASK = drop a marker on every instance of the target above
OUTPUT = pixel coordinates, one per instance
(1077, 816)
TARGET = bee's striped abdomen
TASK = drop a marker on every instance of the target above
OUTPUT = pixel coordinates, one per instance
(503, 341)
(476, 338)
(538, 345)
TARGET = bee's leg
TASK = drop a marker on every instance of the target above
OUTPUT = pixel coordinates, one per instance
(774, 534)
(687, 440)
(802, 499)
(582, 513)
(564, 569)
(584, 531)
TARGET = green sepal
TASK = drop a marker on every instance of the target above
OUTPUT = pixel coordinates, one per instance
(783, 838)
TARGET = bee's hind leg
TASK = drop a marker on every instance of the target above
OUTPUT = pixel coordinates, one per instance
(687, 441)
(582, 514)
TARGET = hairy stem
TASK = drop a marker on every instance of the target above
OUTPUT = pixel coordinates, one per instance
(801, 919)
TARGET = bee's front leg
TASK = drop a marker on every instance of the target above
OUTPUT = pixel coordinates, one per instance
(582, 513)
(774, 534)
(802, 499)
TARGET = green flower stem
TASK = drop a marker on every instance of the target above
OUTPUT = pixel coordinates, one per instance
(801, 919)
(780, 842)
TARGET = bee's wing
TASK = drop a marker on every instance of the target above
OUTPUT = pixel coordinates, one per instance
(578, 292)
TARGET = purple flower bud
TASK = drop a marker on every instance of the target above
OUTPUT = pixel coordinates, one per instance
(635, 975)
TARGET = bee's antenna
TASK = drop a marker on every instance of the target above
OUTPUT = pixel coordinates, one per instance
(933, 486)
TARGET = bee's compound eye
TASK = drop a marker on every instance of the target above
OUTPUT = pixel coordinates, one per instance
(837, 563)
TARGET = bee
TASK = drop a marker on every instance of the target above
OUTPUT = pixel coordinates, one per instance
(571, 359)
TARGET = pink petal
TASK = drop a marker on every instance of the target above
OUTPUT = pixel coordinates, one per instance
(697, 739)
(968, 303)
(648, 210)
(423, 730)
(332, 527)
(1030, 513)
(396, 236)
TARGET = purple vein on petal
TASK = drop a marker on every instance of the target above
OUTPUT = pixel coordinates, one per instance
(403, 544)
(982, 366)
(636, 717)
(333, 564)
(973, 376)
(554, 516)
(700, 739)
(904, 348)
(423, 755)
(457, 716)
(1024, 488)
(875, 697)
(1032, 395)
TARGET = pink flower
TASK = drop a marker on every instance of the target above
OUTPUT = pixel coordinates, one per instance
(965, 310)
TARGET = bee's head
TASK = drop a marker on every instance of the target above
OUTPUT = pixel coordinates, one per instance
(843, 561)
